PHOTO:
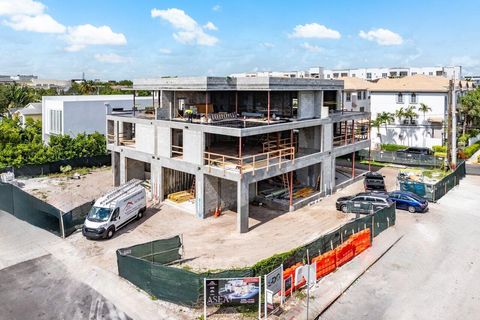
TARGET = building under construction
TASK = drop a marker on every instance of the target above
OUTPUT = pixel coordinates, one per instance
(219, 143)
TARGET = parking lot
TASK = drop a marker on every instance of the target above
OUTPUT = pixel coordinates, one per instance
(432, 272)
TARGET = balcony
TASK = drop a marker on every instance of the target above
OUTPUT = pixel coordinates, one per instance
(250, 163)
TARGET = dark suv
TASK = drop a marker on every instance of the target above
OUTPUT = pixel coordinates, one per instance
(364, 202)
(374, 182)
(416, 151)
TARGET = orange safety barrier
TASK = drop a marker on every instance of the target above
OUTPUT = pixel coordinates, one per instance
(290, 272)
(326, 263)
(344, 252)
(361, 241)
(303, 282)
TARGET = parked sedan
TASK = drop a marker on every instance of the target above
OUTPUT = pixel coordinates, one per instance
(409, 201)
(363, 202)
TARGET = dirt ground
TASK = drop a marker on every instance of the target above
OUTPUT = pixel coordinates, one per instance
(66, 193)
(213, 243)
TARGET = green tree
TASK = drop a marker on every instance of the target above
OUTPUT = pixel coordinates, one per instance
(470, 108)
(383, 118)
(17, 96)
(424, 109)
(399, 114)
(410, 113)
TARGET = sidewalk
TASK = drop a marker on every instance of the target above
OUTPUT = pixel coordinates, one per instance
(331, 287)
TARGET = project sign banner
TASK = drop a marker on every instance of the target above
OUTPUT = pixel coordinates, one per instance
(234, 291)
(274, 280)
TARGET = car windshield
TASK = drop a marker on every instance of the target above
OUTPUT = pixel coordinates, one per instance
(98, 214)
(415, 197)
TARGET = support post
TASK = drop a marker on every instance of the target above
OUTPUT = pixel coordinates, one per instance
(236, 102)
(268, 107)
(206, 104)
(242, 206)
(134, 95)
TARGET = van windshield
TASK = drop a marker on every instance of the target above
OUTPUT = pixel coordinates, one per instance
(97, 214)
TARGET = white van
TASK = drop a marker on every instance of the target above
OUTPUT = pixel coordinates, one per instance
(115, 210)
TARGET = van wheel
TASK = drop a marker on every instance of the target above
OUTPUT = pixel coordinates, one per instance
(411, 209)
(110, 232)
(140, 214)
(344, 208)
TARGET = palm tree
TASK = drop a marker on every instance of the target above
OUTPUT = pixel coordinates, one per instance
(399, 114)
(410, 113)
(17, 96)
(424, 109)
(384, 118)
(470, 108)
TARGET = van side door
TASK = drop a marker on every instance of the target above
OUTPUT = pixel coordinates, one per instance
(116, 217)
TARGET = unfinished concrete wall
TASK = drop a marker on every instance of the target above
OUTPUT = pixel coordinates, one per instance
(327, 137)
(116, 168)
(309, 176)
(318, 103)
(193, 146)
(164, 141)
(174, 181)
(134, 169)
(306, 105)
(310, 139)
(219, 192)
(144, 138)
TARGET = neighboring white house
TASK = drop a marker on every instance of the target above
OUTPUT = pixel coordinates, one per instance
(32, 110)
(82, 114)
(389, 95)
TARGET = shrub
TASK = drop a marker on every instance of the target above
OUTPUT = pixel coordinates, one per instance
(391, 147)
(463, 139)
(470, 150)
(439, 148)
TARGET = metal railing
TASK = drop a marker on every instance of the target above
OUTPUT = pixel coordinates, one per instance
(177, 151)
(344, 140)
(403, 158)
(274, 144)
(252, 162)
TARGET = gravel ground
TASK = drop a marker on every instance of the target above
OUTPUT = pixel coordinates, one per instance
(66, 193)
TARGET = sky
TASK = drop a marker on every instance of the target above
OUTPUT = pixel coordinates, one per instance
(129, 39)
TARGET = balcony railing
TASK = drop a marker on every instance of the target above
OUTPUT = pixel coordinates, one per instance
(250, 163)
(274, 144)
(177, 151)
(344, 140)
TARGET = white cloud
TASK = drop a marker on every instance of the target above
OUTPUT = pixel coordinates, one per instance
(383, 37)
(314, 30)
(28, 15)
(267, 45)
(216, 7)
(312, 48)
(189, 32)
(41, 23)
(21, 7)
(210, 26)
(165, 50)
(111, 58)
(79, 37)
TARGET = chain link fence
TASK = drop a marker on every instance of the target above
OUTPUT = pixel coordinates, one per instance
(433, 192)
(403, 158)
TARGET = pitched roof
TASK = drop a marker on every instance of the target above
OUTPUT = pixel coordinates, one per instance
(415, 83)
(31, 109)
(354, 83)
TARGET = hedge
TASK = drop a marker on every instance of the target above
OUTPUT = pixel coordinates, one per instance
(392, 147)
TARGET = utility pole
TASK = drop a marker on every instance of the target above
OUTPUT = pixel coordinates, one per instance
(452, 126)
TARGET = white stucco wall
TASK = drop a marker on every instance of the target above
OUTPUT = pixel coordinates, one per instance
(360, 103)
(144, 138)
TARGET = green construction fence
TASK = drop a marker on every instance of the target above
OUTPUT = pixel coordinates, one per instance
(153, 266)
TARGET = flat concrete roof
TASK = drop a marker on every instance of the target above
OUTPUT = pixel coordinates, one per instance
(237, 84)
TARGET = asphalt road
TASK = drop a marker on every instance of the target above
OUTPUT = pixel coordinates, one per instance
(433, 272)
(42, 289)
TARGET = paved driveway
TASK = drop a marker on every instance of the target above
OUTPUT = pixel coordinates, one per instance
(432, 273)
(42, 289)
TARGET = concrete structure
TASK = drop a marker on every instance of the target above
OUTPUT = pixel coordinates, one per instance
(31, 111)
(59, 85)
(220, 138)
(391, 95)
(82, 114)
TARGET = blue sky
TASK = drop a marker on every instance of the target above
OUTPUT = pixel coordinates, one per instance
(117, 39)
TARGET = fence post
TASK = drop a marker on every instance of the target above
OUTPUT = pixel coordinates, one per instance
(62, 227)
(373, 225)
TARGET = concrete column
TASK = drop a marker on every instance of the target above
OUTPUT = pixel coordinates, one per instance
(123, 169)
(339, 100)
(116, 131)
(242, 206)
(306, 105)
(327, 137)
(116, 168)
(318, 103)
(199, 196)
(328, 175)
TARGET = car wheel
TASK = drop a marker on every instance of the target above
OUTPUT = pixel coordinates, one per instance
(110, 232)
(344, 208)
(411, 209)
(140, 214)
